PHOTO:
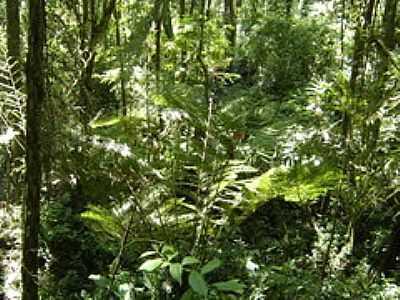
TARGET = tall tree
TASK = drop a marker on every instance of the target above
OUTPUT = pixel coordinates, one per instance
(389, 30)
(13, 29)
(93, 31)
(13, 52)
(230, 20)
(158, 29)
(121, 61)
(35, 88)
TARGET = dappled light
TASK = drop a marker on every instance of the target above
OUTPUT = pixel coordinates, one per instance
(192, 150)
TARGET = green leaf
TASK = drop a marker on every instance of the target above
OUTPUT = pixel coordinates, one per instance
(100, 281)
(190, 260)
(230, 286)
(198, 284)
(176, 272)
(169, 252)
(188, 295)
(151, 264)
(211, 266)
(299, 183)
(105, 122)
(147, 253)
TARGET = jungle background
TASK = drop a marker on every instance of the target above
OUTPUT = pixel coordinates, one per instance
(202, 149)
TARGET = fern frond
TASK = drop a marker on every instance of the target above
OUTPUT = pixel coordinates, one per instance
(12, 101)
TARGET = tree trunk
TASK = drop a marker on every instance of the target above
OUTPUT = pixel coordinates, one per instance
(35, 97)
(92, 33)
(13, 29)
(14, 192)
(121, 63)
(230, 20)
(355, 84)
(389, 31)
(158, 28)
(182, 13)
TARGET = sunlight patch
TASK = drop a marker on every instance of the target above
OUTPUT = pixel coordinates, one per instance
(8, 136)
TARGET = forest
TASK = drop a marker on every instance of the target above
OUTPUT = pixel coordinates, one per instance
(199, 149)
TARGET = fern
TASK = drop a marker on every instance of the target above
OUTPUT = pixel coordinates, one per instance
(103, 222)
(12, 103)
(300, 183)
(12, 126)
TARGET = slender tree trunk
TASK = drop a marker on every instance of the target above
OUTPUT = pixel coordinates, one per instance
(121, 64)
(35, 97)
(389, 30)
(230, 20)
(167, 19)
(84, 36)
(158, 28)
(182, 13)
(204, 67)
(193, 5)
(389, 42)
(93, 30)
(360, 53)
(389, 260)
(289, 4)
(14, 191)
(13, 29)
(360, 45)
(358, 60)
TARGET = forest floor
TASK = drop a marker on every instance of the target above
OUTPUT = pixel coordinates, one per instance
(10, 252)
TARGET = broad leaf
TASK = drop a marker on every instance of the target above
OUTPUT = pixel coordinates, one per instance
(188, 295)
(211, 266)
(147, 253)
(151, 264)
(176, 272)
(190, 260)
(198, 284)
(230, 286)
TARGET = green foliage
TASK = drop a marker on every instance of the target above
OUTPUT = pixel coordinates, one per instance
(106, 223)
(199, 286)
(258, 161)
(294, 281)
(12, 109)
(300, 183)
(71, 248)
(288, 52)
(12, 127)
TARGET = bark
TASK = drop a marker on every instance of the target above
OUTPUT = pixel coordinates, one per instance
(289, 4)
(200, 50)
(360, 43)
(358, 60)
(389, 28)
(92, 33)
(100, 28)
(158, 29)
(389, 43)
(389, 262)
(230, 20)
(356, 79)
(389, 258)
(35, 97)
(121, 64)
(167, 20)
(13, 29)
(12, 161)
(193, 5)
(182, 14)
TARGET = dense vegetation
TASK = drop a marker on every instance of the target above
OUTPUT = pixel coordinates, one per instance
(236, 149)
